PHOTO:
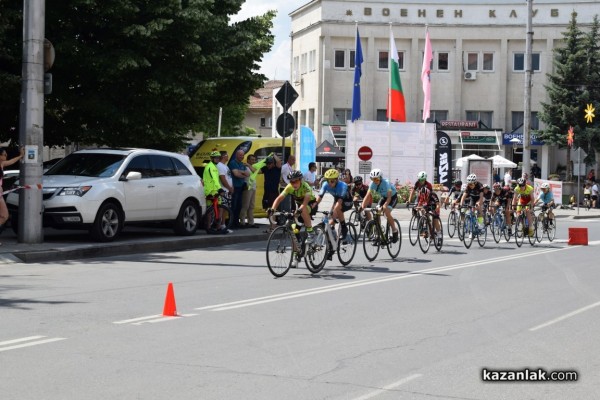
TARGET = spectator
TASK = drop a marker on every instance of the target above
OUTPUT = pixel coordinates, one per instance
(285, 171)
(272, 173)
(595, 195)
(497, 176)
(536, 172)
(591, 176)
(225, 174)
(507, 177)
(249, 195)
(240, 173)
(310, 176)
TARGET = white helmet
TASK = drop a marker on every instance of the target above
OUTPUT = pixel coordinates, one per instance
(376, 173)
(472, 178)
(422, 176)
(545, 185)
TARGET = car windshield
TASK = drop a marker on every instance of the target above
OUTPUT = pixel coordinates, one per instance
(98, 165)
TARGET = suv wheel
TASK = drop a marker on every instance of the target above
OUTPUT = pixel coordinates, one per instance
(108, 223)
(188, 219)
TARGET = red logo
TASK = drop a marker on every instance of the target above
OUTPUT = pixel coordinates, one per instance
(326, 148)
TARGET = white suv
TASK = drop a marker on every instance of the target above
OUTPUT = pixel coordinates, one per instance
(102, 189)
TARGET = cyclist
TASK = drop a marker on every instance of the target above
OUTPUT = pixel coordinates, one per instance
(524, 195)
(342, 200)
(384, 192)
(359, 192)
(212, 183)
(502, 197)
(302, 193)
(587, 194)
(487, 197)
(430, 202)
(421, 181)
(547, 198)
(454, 192)
(474, 191)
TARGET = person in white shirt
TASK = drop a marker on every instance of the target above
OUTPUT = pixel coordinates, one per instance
(594, 195)
(310, 176)
(507, 178)
(225, 173)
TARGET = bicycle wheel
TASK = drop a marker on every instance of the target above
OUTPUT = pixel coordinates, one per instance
(371, 240)
(497, 224)
(460, 227)
(346, 250)
(508, 229)
(532, 236)
(413, 230)
(551, 229)
(481, 235)
(424, 239)
(279, 251)
(520, 230)
(354, 219)
(316, 252)
(451, 224)
(394, 248)
(468, 231)
(439, 239)
(539, 228)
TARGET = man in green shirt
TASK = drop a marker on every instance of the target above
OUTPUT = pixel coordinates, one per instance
(212, 183)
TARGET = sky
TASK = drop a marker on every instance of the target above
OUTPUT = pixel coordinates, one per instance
(275, 64)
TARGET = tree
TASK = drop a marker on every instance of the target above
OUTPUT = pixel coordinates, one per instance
(565, 92)
(591, 132)
(145, 73)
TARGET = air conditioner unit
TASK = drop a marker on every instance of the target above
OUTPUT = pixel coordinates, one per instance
(470, 75)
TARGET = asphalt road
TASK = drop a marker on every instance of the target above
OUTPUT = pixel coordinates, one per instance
(419, 327)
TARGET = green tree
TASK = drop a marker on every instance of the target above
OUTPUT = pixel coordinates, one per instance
(565, 92)
(145, 73)
(591, 132)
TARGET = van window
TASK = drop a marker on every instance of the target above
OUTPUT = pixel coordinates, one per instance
(265, 151)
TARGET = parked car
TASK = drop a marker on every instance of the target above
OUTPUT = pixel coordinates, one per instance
(101, 190)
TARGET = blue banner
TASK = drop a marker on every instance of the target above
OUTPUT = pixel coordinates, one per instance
(506, 139)
(358, 60)
(308, 148)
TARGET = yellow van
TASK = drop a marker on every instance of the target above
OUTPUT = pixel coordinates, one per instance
(259, 146)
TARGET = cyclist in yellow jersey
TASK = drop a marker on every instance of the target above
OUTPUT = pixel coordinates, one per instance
(524, 195)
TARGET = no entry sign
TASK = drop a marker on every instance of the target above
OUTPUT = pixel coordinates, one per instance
(365, 153)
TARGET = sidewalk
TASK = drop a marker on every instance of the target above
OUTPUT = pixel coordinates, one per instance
(74, 245)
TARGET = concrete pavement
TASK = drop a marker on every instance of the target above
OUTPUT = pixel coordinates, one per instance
(71, 245)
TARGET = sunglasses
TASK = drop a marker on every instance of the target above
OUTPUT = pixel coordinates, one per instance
(375, 179)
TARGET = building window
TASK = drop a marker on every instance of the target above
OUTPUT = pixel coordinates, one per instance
(312, 60)
(340, 59)
(442, 61)
(352, 58)
(437, 115)
(519, 62)
(485, 117)
(311, 119)
(296, 69)
(472, 61)
(382, 115)
(518, 119)
(304, 63)
(488, 62)
(341, 115)
(265, 122)
(384, 61)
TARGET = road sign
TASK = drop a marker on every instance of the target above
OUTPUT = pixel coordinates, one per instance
(365, 153)
(285, 124)
(364, 167)
(286, 96)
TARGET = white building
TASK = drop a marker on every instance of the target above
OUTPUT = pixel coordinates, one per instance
(478, 69)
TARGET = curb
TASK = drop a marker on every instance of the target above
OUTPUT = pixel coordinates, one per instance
(125, 248)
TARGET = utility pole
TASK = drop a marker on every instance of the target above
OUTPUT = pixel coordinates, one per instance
(31, 133)
(527, 107)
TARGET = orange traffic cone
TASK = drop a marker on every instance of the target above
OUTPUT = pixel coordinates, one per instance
(170, 309)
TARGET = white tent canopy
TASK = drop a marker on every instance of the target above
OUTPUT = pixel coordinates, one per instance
(463, 160)
(500, 162)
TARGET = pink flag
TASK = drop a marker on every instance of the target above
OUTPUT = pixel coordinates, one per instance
(426, 77)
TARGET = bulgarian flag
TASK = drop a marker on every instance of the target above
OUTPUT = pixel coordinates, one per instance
(395, 108)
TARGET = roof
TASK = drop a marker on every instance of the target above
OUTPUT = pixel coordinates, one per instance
(263, 97)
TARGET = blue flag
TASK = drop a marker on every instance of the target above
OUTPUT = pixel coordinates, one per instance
(358, 60)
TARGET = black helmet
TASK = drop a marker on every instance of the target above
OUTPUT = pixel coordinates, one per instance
(295, 174)
(270, 160)
(458, 182)
(358, 180)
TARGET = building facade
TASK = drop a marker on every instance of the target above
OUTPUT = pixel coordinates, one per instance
(477, 76)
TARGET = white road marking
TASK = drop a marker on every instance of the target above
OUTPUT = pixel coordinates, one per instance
(563, 317)
(28, 344)
(388, 387)
(164, 319)
(127, 321)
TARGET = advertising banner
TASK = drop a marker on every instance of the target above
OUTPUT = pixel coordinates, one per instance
(308, 147)
(443, 159)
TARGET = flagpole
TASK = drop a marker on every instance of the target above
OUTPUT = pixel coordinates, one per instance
(423, 116)
(390, 106)
(354, 122)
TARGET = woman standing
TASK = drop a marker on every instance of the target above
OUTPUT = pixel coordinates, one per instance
(5, 163)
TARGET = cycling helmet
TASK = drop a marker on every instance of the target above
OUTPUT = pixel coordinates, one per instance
(472, 178)
(295, 175)
(458, 182)
(332, 174)
(376, 173)
(422, 176)
(463, 187)
(497, 186)
(521, 181)
(215, 154)
(358, 180)
(486, 186)
(545, 185)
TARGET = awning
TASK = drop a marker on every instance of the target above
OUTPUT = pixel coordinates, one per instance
(326, 152)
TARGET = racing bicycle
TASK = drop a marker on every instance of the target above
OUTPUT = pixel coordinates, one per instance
(377, 236)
